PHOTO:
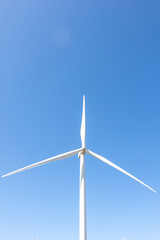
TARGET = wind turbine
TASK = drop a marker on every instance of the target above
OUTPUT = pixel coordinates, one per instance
(82, 190)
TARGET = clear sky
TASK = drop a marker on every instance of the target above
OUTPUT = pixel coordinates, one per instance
(51, 53)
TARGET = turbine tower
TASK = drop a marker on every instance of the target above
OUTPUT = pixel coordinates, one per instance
(82, 189)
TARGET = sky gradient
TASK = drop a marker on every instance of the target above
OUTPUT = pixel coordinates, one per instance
(51, 53)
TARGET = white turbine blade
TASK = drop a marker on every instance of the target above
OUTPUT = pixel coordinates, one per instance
(118, 168)
(48, 160)
(83, 124)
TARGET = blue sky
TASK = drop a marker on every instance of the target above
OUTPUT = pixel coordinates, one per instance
(51, 53)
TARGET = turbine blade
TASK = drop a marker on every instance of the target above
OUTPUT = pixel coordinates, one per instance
(118, 168)
(83, 124)
(48, 160)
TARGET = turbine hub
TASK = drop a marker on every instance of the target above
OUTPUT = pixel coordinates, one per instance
(82, 152)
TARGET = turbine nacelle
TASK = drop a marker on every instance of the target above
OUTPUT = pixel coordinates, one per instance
(83, 151)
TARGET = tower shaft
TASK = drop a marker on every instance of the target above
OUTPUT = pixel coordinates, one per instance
(82, 200)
